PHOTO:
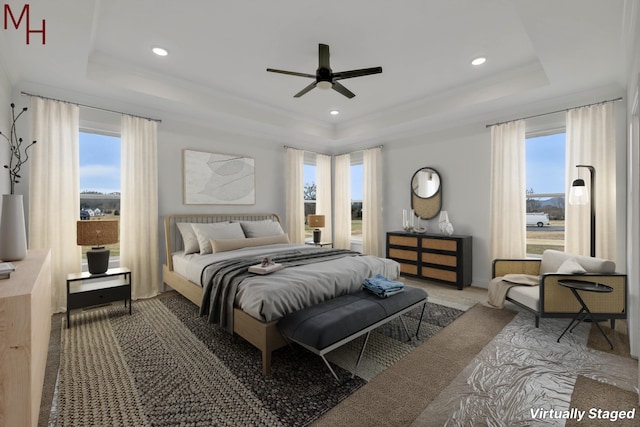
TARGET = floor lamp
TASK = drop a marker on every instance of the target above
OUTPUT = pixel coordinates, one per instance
(578, 196)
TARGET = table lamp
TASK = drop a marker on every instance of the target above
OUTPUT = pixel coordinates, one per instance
(97, 234)
(317, 222)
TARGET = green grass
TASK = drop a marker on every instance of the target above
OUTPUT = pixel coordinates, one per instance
(356, 229)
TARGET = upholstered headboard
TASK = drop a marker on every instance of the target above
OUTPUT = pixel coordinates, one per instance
(173, 239)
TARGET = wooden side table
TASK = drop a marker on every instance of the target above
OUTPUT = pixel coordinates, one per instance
(86, 289)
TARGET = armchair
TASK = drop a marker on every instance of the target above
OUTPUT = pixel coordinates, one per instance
(549, 299)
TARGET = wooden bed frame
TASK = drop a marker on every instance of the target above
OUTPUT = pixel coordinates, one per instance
(263, 335)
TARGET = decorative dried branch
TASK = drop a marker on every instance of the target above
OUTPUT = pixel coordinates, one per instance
(18, 155)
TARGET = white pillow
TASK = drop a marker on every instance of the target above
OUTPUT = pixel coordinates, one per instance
(223, 245)
(207, 232)
(261, 228)
(189, 238)
(571, 266)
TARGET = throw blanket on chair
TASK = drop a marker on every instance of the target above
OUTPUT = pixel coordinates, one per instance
(499, 287)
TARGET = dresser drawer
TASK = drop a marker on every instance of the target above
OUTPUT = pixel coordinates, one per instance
(431, 258)
(409, 269)
(440, 244)
(404, 241)
(403, 254)
(436, 273)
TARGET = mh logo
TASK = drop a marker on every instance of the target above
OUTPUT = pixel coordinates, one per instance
(8, 13)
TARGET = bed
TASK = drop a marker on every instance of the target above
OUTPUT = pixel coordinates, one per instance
(247, 304)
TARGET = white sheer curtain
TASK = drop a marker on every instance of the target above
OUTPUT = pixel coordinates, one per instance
(342, 203)
(372, 202)
(54, 200)
(294, 187)
(507, 219)
(323, 194)
(591, 141)
(139, 204)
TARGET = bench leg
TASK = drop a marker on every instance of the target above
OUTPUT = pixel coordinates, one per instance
(364, 344)
(424, 306)
(355, 369)
(326, 362)
(404, 325)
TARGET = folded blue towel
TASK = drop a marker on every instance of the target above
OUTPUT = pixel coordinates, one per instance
(382, 286)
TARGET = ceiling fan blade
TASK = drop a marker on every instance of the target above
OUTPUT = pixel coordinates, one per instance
(356, 73)
(305, 90)
(292, 73)
(323, 56)
(343, 90)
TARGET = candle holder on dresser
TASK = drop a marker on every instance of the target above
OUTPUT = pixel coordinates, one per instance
(407, 220)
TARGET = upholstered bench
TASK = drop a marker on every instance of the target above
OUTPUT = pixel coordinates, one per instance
(326, 326)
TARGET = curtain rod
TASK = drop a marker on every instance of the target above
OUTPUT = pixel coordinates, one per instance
(324, 154)
(358, 151)
(307, 151)
(91, 107)
(554, 112)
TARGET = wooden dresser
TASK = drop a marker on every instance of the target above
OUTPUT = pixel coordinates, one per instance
(25, 326)
(444, 259)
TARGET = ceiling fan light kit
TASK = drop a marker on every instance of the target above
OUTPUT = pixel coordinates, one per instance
(325, 78)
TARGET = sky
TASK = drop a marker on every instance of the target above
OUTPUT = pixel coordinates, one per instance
(99, 163)
(356, 179)
(545, 164)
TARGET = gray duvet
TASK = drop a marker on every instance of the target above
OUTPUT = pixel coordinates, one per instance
(311, 275)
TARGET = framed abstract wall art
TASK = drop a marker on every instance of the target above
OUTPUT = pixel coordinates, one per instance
(218, 179)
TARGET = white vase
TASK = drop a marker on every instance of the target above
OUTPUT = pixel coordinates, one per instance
(13, 235)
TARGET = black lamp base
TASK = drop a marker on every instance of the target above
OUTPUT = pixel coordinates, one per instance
(317, 233)
(98, 260)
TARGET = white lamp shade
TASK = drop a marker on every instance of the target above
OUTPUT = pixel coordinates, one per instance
(578, 194)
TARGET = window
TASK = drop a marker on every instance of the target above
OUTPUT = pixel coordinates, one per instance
(310, 187)
(100, 180)
(545, 194)
(357, 175)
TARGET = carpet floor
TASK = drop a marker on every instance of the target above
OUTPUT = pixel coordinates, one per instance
(164, 365)
(428, 385)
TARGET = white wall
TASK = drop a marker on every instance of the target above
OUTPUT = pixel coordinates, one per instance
(5, 123)
(174, 137)
(633, 175)
(462, 158)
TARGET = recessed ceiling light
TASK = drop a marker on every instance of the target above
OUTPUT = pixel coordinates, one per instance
(334, 112)
(160, 51)
(479, 61)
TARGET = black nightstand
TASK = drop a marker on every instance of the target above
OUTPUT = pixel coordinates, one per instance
(86, 289)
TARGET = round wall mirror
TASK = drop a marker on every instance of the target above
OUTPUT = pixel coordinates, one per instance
(426, 193)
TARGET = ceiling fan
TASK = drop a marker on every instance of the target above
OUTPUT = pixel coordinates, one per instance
(325, 78)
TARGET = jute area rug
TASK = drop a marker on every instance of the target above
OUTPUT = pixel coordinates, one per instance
(164, 365)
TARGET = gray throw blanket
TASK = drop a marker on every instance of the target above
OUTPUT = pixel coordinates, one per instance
(221, 279)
